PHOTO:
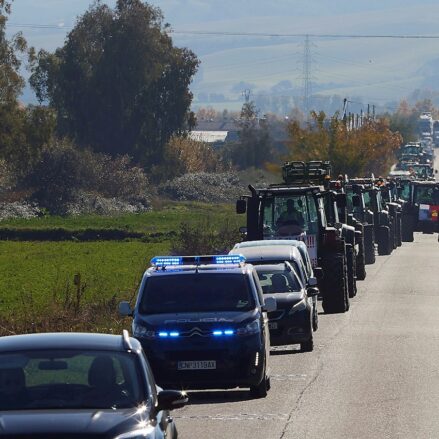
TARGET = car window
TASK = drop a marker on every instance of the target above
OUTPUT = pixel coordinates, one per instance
(201, 292)
(258, 287)
(277, 281)
(38, 380)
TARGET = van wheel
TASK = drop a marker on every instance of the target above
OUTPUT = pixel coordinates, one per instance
(307, 346)
(261, 390)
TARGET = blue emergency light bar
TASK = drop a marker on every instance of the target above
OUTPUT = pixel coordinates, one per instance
(220, 333)
(175, 261)
(169, 334)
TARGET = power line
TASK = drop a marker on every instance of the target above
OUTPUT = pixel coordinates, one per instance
(287, 35)
(251, 34)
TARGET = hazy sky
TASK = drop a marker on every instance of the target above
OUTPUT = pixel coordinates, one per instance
(349, 66)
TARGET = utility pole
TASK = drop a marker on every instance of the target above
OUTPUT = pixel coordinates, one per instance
(306, 76)
(246, 93)
(345, 107)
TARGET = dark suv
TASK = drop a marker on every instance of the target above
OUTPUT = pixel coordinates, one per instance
(203, 322)
(81, 385)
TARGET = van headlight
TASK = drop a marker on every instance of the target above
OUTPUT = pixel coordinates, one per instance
(299, 306)
(249, 329)
(141, 331)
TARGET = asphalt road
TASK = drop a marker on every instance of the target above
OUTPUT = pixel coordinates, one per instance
(374, 372)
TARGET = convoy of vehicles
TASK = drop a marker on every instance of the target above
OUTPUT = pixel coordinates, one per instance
(208, 322)
(297, 209)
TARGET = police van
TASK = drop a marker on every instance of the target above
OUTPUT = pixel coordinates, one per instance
(202, 321)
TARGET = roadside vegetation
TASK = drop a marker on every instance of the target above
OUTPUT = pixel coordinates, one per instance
(103, 174)
(74, 285)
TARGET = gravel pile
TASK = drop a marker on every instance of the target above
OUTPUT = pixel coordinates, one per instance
(202, 186)
(19, 209)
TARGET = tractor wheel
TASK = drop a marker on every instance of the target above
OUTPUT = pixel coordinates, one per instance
(399, 229)
(407, 228)
(334, 288)
(385, 246)
(369, 244)
(361, 260)
(351, 259)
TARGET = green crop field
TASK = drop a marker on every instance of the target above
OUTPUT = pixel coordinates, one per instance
(37, 278)
(166, 219)
(34, 272)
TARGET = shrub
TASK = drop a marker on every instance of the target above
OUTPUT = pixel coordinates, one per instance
(56, 176)
(184, 155)
(203, 238)
(66, 176)
(202, 186)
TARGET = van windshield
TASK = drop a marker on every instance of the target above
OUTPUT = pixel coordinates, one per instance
(201, 292)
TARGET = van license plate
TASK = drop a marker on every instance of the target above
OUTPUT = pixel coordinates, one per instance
(196, 365)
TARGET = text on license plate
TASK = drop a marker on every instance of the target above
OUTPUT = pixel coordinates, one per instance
(272, 325)
(196, 365)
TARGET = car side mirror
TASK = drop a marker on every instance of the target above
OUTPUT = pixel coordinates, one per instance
(125, 309)
(171, 399)
(312, 282)
(241, 206)
(318, 273)
(312, 291)
(270, 304)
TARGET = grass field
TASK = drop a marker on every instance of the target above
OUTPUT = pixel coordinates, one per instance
(36, 271)
(37, 288)
(165, 219)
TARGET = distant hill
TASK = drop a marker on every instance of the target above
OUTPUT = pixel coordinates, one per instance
(375, 70)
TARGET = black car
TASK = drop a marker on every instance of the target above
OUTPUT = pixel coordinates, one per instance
(291, 323)
(203, 323)
(81, 385)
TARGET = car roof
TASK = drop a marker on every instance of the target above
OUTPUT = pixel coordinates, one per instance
(266, 253)
(268, 242)
(281, 266)
(200, 269)
(66, 341)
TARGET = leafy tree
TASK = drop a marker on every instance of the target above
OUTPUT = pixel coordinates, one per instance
(23, 131)
(254, 146)
(357, 152)
(11, 83)
(186, 156)
(118, 83)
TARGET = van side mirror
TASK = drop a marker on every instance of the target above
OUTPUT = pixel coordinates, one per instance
(318, 273)
(125, 309)
(270, 304)
(312, 291)
(312, 282)
(241, 206)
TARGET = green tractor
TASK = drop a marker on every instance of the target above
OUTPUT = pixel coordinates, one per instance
(298, 209)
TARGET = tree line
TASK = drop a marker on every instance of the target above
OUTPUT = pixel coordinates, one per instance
(119, 89)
